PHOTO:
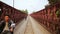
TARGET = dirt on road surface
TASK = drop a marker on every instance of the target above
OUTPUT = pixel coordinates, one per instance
(30, 26)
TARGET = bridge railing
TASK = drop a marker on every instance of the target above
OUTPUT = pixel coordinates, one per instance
(48, 18)
(15, 14)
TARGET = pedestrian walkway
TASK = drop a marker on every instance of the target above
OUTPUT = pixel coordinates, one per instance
(30, 26)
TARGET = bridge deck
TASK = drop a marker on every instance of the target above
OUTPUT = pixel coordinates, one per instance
(30, 26)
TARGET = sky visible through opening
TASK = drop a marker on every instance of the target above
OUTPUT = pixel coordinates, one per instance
(30, 5)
